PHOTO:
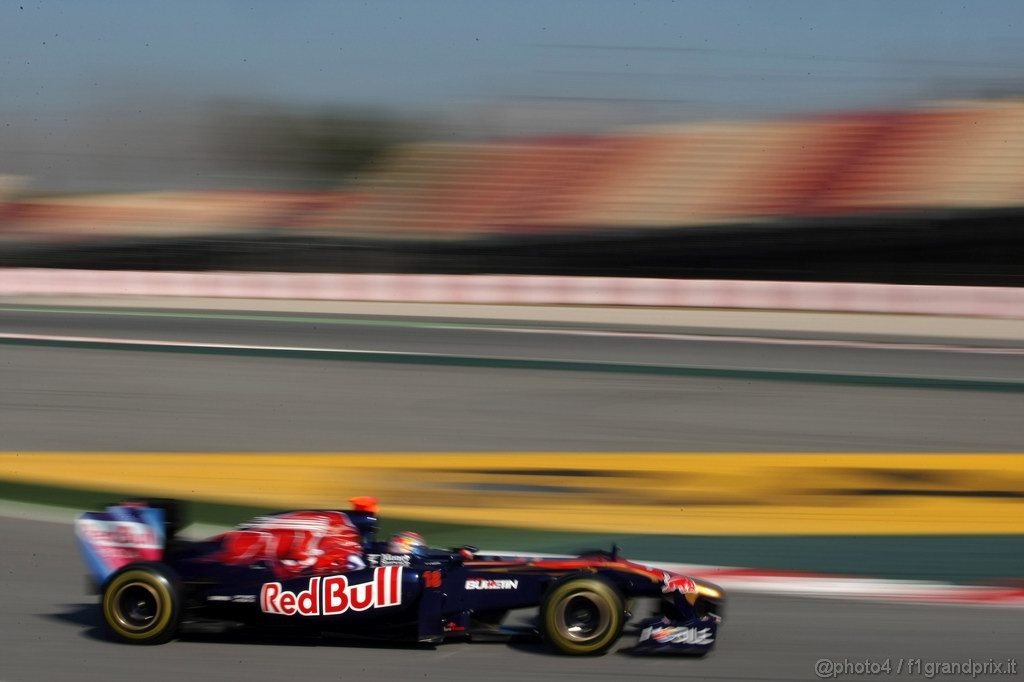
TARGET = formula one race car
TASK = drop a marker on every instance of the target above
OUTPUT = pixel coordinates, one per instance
(324, 571)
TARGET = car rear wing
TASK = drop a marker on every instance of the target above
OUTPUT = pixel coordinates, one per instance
(124, 533)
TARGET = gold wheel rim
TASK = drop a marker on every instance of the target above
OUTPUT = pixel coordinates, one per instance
(123, 620)
(116, 618)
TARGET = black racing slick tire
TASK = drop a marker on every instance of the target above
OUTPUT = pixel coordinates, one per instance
(582, 615)
(142, 603)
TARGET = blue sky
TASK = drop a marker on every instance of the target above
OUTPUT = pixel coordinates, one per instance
(709, 58)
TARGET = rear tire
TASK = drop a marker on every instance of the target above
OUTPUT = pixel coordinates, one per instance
(582, 615)
(142, 603)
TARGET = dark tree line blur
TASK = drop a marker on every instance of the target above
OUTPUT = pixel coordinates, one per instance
(322, 146)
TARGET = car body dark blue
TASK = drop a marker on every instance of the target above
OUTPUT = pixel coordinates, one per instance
(153, 583)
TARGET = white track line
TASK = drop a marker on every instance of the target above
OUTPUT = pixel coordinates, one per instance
(490, 358)
(199, 344)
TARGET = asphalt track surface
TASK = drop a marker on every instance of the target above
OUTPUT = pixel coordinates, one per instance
(113, 399)
(51, 631)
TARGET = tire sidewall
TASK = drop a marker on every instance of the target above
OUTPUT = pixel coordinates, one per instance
(167, 587)
(563, 590)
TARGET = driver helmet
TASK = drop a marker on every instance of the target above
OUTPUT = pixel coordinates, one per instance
(406, 542)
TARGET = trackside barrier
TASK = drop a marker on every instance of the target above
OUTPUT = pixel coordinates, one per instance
(1002, 302)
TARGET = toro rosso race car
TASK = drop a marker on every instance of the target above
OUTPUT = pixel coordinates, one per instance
(324, 571)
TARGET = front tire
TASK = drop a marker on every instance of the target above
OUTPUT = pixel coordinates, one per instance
(582, 615)
(142, 604)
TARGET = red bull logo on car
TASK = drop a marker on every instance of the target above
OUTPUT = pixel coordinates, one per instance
(334, 595)
(677, 583)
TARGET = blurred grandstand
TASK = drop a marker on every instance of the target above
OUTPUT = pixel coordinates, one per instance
(946, 179)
